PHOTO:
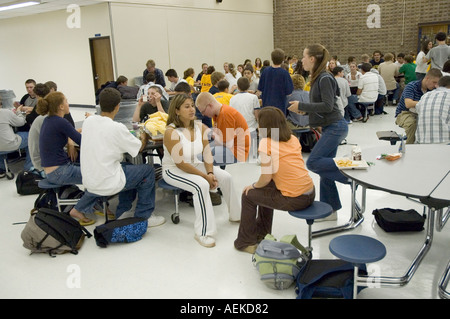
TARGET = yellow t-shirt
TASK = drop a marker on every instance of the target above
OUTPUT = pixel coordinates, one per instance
(288, 168)
(191, 82)
(223, 98)
(205, 82)
(307, 87)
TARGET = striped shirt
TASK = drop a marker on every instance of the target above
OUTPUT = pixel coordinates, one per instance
(413, 91)
(433, 122)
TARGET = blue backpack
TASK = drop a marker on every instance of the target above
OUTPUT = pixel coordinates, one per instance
(125, 230)
(327, 278)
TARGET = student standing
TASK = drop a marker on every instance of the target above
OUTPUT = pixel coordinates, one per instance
(275, 83)
(324, 112)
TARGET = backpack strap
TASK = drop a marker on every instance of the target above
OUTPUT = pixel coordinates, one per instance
(293, 240)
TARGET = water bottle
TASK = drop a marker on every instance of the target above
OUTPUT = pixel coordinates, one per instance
(402, 147)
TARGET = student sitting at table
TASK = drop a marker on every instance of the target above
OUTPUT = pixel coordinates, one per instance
(56, 134)
(155, 103)
(185, 140)
(284, 183)
(104, 143)
(231, 135)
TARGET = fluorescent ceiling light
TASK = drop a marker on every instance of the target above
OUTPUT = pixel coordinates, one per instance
(19, 5)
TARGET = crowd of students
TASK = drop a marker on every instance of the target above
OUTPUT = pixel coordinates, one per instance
(215, 121)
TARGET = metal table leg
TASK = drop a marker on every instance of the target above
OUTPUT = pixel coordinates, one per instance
(356, 217)
(443, 293)
(403, 280)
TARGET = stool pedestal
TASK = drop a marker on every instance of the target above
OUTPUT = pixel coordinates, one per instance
(357, 249)
(316, 210)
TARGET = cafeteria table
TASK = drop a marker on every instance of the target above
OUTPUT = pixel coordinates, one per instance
(421, 174)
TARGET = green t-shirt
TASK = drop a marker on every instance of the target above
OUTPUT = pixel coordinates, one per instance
(409, 69)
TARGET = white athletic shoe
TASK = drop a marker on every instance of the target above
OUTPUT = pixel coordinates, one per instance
(156, 220)
(205, 241)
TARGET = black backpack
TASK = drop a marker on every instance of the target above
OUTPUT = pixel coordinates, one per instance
(47, 198)
(327, 278)
(52, 232)
(27, 183)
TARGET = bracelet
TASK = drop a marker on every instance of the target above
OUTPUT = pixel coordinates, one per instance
(210, 173)
(253, 185)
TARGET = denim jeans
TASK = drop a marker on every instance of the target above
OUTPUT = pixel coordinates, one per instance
(70, 174)
(222, 155)
(321, 162)
(351, 111)
(140, 181)
(23, 145)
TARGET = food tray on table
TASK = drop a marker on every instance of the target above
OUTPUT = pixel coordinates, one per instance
(347, 163)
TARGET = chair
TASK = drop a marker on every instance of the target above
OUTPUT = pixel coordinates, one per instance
(316, 210)
(9, 174)
(366, 106)
(175, 216)
(357, 249)
(45, 184)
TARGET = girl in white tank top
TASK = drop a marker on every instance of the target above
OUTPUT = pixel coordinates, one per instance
(185, 144)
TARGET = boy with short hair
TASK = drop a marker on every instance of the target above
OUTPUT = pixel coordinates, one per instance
(408, 69)
(104, 143)
(223, 96)
(275, 83)
(441, 53)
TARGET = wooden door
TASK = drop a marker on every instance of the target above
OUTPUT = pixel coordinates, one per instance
(101, 57)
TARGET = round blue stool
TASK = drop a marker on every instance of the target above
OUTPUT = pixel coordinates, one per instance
(357, 249)
(316, 210)
(164, 185)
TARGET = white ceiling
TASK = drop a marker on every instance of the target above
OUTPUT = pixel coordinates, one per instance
(45, 6)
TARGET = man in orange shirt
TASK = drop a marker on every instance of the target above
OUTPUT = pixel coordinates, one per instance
(231, 135)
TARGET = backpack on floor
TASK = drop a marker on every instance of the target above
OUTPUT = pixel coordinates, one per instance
(279, 262)
(327, 278)
(126, 230)
(398, 220)
(52, 232)
(47, 198)
(27, 183)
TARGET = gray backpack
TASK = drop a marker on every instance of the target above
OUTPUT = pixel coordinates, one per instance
(279, 262)
(52, 232)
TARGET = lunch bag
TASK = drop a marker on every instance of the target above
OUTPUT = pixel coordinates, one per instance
(279, 262)
(126, 230)
(327, 278)
(397, 220)
(52, 232)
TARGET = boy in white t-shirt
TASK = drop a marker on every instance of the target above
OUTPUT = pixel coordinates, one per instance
(248, 105)
(367, 87)
(104, 174)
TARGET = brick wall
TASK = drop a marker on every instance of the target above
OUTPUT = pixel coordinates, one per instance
(341, 25)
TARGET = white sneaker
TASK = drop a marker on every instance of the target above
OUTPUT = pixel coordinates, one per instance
(156, 220)
(205, 241)
(331, 218)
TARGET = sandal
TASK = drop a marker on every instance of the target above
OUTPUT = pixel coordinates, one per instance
(111, 215)
(86, 221)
